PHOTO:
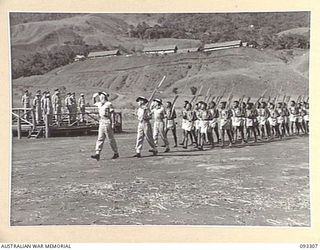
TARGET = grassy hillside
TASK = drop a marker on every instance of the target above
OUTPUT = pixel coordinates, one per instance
(43, 41)
(251, 70)
(39, 46)
(303, 31)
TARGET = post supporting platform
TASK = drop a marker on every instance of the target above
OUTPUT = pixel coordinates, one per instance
(34, 123)
(19, 125)
(47, 125)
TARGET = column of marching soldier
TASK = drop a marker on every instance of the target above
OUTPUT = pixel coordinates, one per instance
(261, 120)
(206, 122)
(46, 104)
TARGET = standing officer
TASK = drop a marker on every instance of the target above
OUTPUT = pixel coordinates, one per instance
(37, 105)
(47, 108)
(144, 127)
(82, 107)
(56, 105)
(106, 124)
(25, 101)
(74, 106)
(68, 103)
(43, 97)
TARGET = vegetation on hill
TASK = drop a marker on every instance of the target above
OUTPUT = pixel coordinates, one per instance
(56, 38)
(261, 28)
(26, 17)
(250, 69)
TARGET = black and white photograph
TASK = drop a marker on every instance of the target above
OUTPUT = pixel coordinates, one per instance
(178, 119)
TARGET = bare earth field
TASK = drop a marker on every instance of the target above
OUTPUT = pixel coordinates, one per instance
(54, 182)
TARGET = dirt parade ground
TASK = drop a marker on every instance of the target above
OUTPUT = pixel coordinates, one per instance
(55, 182)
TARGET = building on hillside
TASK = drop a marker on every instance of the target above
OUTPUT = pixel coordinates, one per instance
(219, 46)
(161, 50)
(104, 53)
(253, 44)
(244, 44)
(188, 50)
(79, 58)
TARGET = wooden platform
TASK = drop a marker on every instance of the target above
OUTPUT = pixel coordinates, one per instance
(28, 127)
(58, 131)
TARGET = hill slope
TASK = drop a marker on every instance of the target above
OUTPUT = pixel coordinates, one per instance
(43, 41)
(251, 70)
(303, 31)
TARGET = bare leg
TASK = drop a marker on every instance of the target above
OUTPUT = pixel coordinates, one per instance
(229, 133)
(216, 130)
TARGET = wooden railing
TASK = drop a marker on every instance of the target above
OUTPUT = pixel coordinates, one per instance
(67, 120)
(21, 114)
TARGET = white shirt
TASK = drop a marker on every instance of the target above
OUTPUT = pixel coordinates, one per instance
(143, 114)
(105, 110)
(159, 114)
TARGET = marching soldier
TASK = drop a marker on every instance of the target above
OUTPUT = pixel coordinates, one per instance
(293, 117)
(25, 102)
(238, 121)
(82, 107)
(189, 118)
(159, 125)
(57, 105)
(205, 132)
(243, 108)
(196, 130)
(183, 122)
(106, 124)
(281, 119)
(225, 122)
(300, 116)
(273, 121)
(306, 116)
(250, 117)
(170, 122)
(268, 125)
(144, 127)
(213, 123)
(255, 119)
(286, 118)
(263, 115)
(37, 105)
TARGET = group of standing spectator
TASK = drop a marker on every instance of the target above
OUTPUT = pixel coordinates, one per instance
(50, 106)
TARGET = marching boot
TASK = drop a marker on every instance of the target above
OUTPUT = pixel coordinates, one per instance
(96, 156)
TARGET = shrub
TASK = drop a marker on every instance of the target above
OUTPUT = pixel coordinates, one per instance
(193, 90)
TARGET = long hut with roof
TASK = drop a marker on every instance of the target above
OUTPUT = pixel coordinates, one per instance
(106, 53)
(223, 45)
(188, 50)
(168, 49)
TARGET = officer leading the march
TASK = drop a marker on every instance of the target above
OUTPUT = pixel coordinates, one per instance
(106, 124)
